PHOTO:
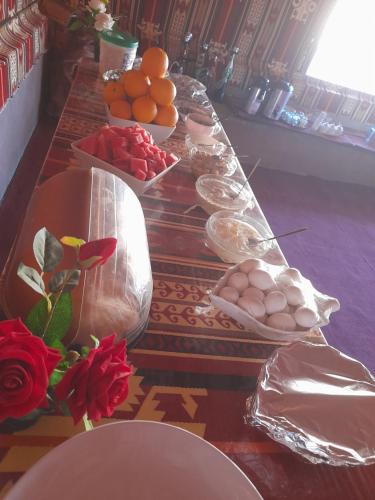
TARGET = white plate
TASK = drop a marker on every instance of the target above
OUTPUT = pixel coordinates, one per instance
(158, 132)
(135, 460)
(139, 187)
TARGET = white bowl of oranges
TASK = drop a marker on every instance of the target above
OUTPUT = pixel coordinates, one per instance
(144, 96)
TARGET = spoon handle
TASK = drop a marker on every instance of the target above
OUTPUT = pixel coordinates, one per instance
(285, 234)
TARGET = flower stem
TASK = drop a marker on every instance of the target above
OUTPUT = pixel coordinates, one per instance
(65, 281)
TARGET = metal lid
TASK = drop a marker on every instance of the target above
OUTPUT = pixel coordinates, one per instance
(120, 39)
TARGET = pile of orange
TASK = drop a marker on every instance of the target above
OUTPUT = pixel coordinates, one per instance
(144, 95)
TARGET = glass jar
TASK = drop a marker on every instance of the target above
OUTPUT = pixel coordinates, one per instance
(211, 157)
(117, 51)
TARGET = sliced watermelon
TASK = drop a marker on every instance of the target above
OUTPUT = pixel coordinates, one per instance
(89, 144)
(119, 142)
(121, 154)
(140, 174)
(122, 165)
(138, 164)
(104, 152)
(150, 175)
(160, 166)
(170, 159)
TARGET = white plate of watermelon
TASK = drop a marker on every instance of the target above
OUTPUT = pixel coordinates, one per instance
(128, 152)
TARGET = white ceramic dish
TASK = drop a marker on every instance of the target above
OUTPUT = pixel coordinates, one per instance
(158, 132)
(201, 125)
(139, 187)
(135, 460)
(322, 304)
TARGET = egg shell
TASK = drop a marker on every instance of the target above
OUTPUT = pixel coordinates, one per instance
(252, 306)
(239, 281)
(275, 302)
(250, 264)
(294, 295)
(293, 273)
(281, 321)
(261, 279)
(306, 317)
(253, 292)
(229, 293)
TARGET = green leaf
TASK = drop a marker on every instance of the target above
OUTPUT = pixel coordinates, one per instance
(31, 277)
(85, 351)
(75, 25)
(56, 376)
(37, 318)
(57, 344)
(60, 320)
(48, 250)
(65, 280)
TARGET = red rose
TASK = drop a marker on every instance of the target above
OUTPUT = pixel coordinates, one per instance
(96, 252)
(25, 366)
(98, 383)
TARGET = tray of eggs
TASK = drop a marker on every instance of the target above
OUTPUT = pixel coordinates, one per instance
(274, 301)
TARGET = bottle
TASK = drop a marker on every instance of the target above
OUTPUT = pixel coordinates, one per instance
(201, 66)
(256, 95)
(226, 76)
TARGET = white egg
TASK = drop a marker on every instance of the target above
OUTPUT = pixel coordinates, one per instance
(229, 293)
(275, 302)
(306, 317)
(281, 321)
(294, 295)
(293, 273)
(261, 279)
(239, 281)
(249, 265)
(255, 293)
(252, 306)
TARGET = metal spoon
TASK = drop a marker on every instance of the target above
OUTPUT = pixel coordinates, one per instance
(253, 241)
(235, 195)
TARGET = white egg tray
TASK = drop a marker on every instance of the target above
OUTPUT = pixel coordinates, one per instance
(283, 276)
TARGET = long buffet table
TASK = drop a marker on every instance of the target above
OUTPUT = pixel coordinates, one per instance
(192, 370)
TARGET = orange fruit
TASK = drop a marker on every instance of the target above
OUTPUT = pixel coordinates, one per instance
(135, 83)
(154, 62)
(144, 109)
(121, 109)
(113, 91)
(167, 116)
(162, 91)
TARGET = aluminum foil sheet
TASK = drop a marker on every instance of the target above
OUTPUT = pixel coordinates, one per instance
(318, 402)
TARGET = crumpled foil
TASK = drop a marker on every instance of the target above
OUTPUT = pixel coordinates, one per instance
(318, 402)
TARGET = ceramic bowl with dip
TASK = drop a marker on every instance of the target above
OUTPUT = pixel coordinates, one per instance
(228, 235)
(201, 125)
(215, 192)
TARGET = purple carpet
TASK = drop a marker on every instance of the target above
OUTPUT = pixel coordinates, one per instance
(338, 252)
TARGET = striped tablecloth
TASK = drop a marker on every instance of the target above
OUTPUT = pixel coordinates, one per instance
(193, 370)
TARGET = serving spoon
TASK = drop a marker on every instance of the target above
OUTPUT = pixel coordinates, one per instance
(254, 241)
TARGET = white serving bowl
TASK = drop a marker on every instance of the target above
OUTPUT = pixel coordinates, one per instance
(158, 132)
(201, 125)
(139, 187)
(321, 303)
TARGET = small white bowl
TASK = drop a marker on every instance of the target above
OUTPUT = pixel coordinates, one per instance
(158, 132)
(201, 124)
(139, 187)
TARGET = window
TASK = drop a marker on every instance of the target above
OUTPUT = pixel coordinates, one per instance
(346, 51)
